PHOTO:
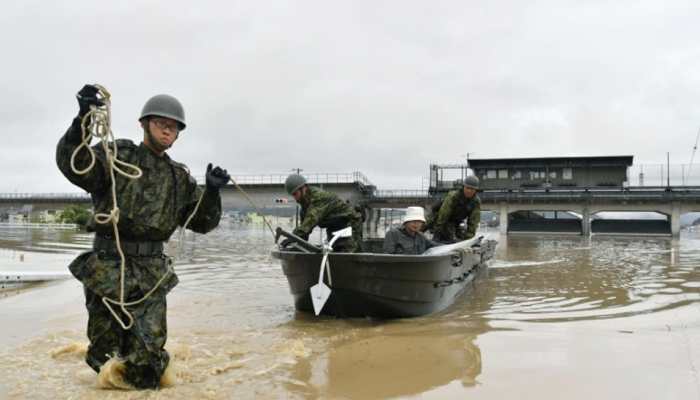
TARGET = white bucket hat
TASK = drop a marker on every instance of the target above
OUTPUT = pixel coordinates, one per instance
(414, 214)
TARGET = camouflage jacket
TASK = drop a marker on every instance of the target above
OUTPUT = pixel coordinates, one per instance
(454, 209)
(398, 241)
(326, 210)
(151, 208)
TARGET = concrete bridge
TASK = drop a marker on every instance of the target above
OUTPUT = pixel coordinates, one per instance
(514, 207)
(584, 203)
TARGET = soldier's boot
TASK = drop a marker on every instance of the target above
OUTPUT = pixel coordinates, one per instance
(169, 377)
(112, 375)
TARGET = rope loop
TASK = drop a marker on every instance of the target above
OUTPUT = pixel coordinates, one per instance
(97, 123)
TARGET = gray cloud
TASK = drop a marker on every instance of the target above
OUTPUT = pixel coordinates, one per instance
(380, 87)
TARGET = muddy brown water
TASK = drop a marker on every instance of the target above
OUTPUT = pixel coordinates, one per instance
(554, 317)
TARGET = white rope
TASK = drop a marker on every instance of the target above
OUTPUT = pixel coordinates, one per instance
(97, 123)
(255, 207)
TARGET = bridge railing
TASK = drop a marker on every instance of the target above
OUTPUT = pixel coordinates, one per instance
(400, 193)
(312, 178)
(46, 196)
(663, 175)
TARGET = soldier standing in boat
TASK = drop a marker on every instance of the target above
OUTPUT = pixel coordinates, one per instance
(408, 239)
(325, 210)
(150, 209)
(447, 215)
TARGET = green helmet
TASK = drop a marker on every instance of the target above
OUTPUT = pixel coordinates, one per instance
(472, 182)
(294, 182)
(166, 106)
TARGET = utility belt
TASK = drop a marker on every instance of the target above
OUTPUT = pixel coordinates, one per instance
(107, 245)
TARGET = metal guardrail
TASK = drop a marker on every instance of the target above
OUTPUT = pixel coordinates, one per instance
(577, 194)
(312, 178)
(46, 196)
(403, 193)
(34, 225)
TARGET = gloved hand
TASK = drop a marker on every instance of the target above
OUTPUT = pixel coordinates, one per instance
(216, 177)
(285, 243)
(87, 96)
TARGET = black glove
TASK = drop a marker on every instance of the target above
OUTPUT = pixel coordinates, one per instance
(216, 177)
(285, 243)
(87, 96)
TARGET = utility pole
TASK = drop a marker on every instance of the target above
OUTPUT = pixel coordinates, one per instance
(466, 171)
(296, 212)
(668, 169)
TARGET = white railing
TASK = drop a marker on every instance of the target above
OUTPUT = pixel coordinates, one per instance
(312, 178)
(663, 175)
(35, 225)
(44, 196)
(400, 193)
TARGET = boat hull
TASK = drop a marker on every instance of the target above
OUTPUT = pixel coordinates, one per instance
(385, 285)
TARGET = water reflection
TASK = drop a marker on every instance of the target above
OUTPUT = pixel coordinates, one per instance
(236, 334)
(580, 279)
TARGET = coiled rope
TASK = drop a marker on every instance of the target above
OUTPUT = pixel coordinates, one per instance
(97, 123)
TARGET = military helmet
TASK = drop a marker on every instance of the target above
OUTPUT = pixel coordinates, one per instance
(294, 182)
(472, 182)
(166, 106)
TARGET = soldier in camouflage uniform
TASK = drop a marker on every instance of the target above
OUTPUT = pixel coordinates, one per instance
(458, 205)
(326, 210)
(151, 208)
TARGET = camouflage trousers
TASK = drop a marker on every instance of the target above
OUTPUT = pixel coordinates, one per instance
(451, 234)
(352, 244)
(141, 347)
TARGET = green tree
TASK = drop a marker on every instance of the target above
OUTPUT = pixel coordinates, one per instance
(75, 214)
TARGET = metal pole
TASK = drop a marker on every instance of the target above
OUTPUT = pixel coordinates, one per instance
(668, 169)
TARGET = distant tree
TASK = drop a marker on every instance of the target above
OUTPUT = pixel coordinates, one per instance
(75, 214)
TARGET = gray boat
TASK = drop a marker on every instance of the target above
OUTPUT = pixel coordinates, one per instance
(382, 285)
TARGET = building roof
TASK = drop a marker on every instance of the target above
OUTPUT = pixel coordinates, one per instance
(574, 161)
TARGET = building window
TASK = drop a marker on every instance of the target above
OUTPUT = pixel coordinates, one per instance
(552, 174)
(502, 174)
(491, 174)
(517, 175)
(567, 174)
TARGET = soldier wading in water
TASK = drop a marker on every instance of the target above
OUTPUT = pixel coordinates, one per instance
(326, 210)
(151, 208)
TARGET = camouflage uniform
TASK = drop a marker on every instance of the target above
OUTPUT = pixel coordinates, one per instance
(398, 241)
(448, 214)
(327, 210)
(151, 208)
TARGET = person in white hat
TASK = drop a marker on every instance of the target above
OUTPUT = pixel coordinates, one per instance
(408, 239)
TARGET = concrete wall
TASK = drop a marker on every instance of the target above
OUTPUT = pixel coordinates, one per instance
(266, 196)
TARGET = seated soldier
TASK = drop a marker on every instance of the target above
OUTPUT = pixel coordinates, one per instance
(408, 239)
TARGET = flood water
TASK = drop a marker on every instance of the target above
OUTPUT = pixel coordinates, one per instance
(554, 317)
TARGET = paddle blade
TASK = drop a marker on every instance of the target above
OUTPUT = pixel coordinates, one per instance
(319, 295)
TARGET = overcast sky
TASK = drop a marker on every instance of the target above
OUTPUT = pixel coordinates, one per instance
(383, 88)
